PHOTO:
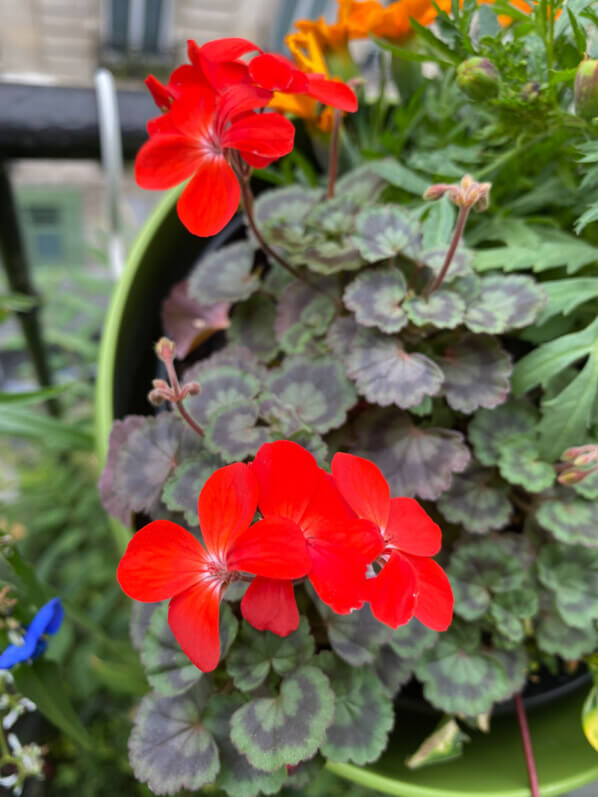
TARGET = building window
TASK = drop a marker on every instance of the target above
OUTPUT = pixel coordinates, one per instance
(138, 25)
(51, 223)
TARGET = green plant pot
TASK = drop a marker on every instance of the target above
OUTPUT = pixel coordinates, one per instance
(493, 764)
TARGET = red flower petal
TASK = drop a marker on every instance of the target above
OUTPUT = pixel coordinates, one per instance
(337, 576)
(273, 547)
(192, 112)
(167, 160)
(193, 619)
(269, 605)
(434, 605)
(161, 94)
(277, 73)
(161, 560)
(211, 199)
(363, 486)
(221, 49)
(237, 102)
(162, 124)
(288, 476)
(270, 135)
(411, 529)
(257, 161)
(226, 506)
(332, 92)
(392, 593)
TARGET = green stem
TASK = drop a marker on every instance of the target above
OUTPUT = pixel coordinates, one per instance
(333, 161)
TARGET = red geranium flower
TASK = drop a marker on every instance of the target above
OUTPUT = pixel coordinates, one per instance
(339, 545)
(410, 582)
(164, 560)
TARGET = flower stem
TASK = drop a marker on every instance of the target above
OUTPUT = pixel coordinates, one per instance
(527, 746)
(334, 151)
(174, 381)
(457, 233)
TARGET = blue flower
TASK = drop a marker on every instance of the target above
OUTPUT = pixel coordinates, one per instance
(47, 621)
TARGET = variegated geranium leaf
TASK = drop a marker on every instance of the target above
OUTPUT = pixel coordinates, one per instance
(356, 637)
(187, 322)
(224, 275)
(520, 463)
(409, 641)
(509, 609)
(258, 652)
(416, 461)
(461, 263)
(383, 231)
(515, 663)
(476, 373)
(329, 256)
(555, 636)
(570, 520)
(115, 501)
(317, 390)
(239, 357)
(141, 617)
(383, 371)
(443, 309)
(363, 714)
(276, 731)
(588, 487)
(488, 430)
(392, 670)
(221, 386)
(233, 433)
(303, 312)
(252, 325)
(169, 748)
(375, 296)
(476, 500)
(364, 183)
(570, 572)
(500, 302)
(333, 219)
(182, 489)
(236, 777)
(281, 206)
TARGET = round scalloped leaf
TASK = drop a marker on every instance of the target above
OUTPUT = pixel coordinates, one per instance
(460, 264)
(571, 520)
(182, 489)
(189, 323)
(488, 430)
(409, 641)
(280, 206)
(520, 463)
(258, 652)
(239, 357)
(375, 297)
(328, 256)
(169, 748)
(477, 501)
(224, 275)
(509, 609)
(363, 714)
(415, 461)
(333, 219)
(571, 573)
(553, 635)
(232, 431)
(383, 371)
(363, 183)
(461, 680)
(393, 671)
(317, 390)
(383, 231)
(588, 487)
(221, 386)
(443, 309)
(141, 617)
(252, 325)
(356, 637)
(284, 730)
(114, 500)
(502, 302)
(303, 313)
(515, 662)
(476, 373)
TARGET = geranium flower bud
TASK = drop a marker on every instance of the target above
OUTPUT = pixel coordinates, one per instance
(165, 349)
(586, 89)
(156, 397)
(478, 78)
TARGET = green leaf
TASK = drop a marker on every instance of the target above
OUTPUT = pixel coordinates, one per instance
(221, 386)
(259, 652)
(383, 371)
(233, 431)
(520, 463)
(169, 748)
(252, 325)
(509, 609)
(443, 309)
(578, 33)
(383, 231)
(356, 637)
(561, 249)
(393, 671)
(571, 574)
(499, 302)
(284, 730)
(316, 389)
(570, 520)
(182, 489)
(437, 230)
(588, 487)
(416, 461)
(434, 258)
(554, 636)
(276, 208)
(398, 174)
(20, 422)
(444, 744)
(489, 429)
(436, 45)
(224, 275)
(328, 256)
(565, 295)
(235, 356)
(303, 313)
(43, 682)
(375, 296)
(476, 500)
(411, 640)
(33, 396)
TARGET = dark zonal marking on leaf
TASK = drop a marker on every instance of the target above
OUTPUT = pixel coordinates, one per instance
(287, 729)
(253, 326)
(239, 357)
(383, 371)
(393, 671)
(515, 664)
(570, 520)
(232, 431)
(141, 616)
(224, 275)
(383, 231)
(330, 257)
(477, 501)
(282, 205)
(555, 636)
(187, 322)
(317, 390)
(415, 461)
(182, 489)
(489, 429)
(333, 219)
(460, 264)
(571, 573)
(303, 313)
(509, 609)
(520, 463)
(355, 637)
(375, 297)
(443, 309)
(409, 641)
(502, 302)
(168, 748)
(476, 373)
(221, 386)
(114, 501)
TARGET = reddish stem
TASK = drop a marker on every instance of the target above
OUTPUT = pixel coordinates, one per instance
(174, 381)
(457, 233)
(527, 747)
(333, 160)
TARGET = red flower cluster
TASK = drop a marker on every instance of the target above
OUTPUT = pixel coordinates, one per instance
(210, 130)
(343, 532)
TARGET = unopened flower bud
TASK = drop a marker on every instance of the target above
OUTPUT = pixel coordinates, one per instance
(586, 89)
(573, 475)
(466, 194)
(165, 349)
(478, 78)
(194, 388)
(156, 397)
(160, 384)
(581, 455)
(531, 91)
